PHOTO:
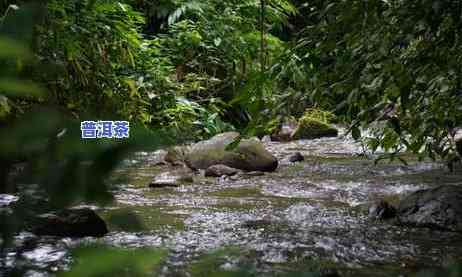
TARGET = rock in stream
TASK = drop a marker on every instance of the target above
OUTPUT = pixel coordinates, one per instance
(248, 155)
(70, 223)
(439, 208)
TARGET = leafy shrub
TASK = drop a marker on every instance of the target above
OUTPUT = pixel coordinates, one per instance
(397, 61)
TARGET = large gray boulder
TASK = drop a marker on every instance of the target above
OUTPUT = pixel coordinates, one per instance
(439, 208)
(248, 155)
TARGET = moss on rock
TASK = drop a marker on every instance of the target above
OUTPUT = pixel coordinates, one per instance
(311, 128)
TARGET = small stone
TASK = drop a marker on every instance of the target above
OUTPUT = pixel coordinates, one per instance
(249, 154)
(382, 210)
(219, 170)
(296, 157)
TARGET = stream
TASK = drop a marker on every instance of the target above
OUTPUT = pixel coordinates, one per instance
(306, 215)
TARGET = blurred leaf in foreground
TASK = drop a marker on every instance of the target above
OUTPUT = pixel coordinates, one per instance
(20, 88)
(105, 261)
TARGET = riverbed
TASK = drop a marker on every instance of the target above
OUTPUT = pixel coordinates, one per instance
(305, 216)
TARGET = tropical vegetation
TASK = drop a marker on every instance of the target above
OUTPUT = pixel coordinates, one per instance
(185, 70)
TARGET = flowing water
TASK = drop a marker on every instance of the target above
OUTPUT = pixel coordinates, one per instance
(308, 215)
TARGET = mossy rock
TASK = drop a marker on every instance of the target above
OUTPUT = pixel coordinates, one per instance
(310, 128)
(248, 155)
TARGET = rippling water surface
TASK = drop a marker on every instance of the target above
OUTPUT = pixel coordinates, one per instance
(313, 211)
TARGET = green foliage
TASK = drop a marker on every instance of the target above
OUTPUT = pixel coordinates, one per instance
(95, 54)
(320, 115)
(397, 61)
(215, 49)
(93, 59)
(189, 120)
(105, 261)
(14, 55)
(392, 61)
(68, 170)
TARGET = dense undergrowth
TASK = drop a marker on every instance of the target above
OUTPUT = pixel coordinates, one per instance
(198, 68)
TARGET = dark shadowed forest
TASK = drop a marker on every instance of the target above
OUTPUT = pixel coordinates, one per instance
(231, 138)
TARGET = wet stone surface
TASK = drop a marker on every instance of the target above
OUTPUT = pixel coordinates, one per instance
(316, 209)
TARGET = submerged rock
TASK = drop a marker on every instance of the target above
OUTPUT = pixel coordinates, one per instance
(219, 170)
(296, 157)
(439, 208)
(382, 210)
(70, 223)
(310, 128)
(248, 155)
(171, 179)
